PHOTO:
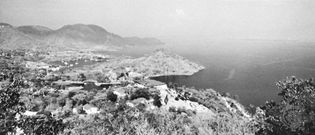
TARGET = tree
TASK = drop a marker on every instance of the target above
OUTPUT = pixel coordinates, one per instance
(10, 104)
(295, 113)
(9, 107)
(100, 77)
(112, 96)
(81, 77)
(41, 124)
(141, 93)
(14, 80)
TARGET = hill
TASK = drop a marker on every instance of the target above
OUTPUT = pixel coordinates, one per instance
(11, 38)
(91, 34)
(163, 62)
(68, 37)
(35, 30)
(160, 62)
(57, 103)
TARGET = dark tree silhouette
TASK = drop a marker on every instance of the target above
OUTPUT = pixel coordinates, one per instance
(295, 113)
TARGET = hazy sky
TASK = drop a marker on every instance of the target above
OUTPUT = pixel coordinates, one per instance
(181, 19)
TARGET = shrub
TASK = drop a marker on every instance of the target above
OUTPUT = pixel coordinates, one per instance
(80, 98)
(295, 114)
(141, 93)
(41, 124)
(81, 77)
(112, 96)
(9, 107)
(10, 103)
(61, 101)
(157, 101)
(100, 77)
(131, 121)
(223, 124)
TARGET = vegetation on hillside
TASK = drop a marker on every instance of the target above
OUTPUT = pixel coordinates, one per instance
(70, 111)
(295, 113)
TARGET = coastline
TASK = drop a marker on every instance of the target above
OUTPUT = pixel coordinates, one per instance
(177, 74)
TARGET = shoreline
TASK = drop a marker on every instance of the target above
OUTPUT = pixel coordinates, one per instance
(177, 74)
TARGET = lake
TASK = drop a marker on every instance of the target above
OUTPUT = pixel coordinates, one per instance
(249, 68)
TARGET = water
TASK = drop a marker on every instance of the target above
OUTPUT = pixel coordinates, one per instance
(249, 69)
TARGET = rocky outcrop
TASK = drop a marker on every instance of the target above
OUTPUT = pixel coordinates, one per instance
(163, 62)
(158, 63)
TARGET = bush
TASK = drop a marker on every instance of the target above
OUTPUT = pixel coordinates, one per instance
(101, 77)
(131, 121)
(41, 124)
(81, 77)
(112, 96)
(80, 98)
(141, 93)
(295, 113)
(224, 123)
(9, 107)
(10, 103)
(157, 101)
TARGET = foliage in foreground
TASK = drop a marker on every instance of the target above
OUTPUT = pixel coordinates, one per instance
(41, 125)
(10, 104)
(295, 113)
(12, 79)
(116, 118)
(133, 121)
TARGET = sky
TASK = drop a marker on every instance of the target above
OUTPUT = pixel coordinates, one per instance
(176, 19)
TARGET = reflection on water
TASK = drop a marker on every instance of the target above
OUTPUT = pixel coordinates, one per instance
(231, 75)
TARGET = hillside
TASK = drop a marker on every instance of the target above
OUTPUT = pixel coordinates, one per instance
(35, 30)
(68, 37)
(163, 62)
(80, 33)
(56, 103)
(11, 38)
(160, 62)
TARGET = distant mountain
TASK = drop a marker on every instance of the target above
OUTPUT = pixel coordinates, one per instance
(11, 38)
(143, 41)
(88, 33)
(35, 30)
(5, 25)
(77, 36)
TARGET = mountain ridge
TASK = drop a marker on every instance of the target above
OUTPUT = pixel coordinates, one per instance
(75, 36)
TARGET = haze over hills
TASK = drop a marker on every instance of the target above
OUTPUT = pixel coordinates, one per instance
(77, 36)
(35, 30)
(11, 38)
